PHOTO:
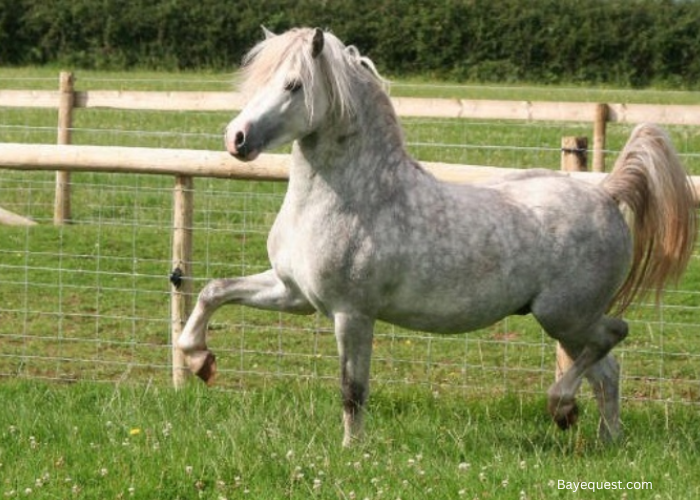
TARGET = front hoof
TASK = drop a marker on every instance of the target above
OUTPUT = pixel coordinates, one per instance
(203, 364)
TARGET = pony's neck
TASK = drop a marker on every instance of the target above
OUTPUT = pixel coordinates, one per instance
(356, 147)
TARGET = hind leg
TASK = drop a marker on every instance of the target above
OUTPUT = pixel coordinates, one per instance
(587, 348)
(604, 378)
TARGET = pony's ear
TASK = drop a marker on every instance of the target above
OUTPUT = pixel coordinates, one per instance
(268, 34)
(317, 43)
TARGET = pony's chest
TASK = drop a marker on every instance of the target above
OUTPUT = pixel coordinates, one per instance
(323, 256)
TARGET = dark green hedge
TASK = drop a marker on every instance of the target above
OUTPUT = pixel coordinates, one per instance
(625, 42)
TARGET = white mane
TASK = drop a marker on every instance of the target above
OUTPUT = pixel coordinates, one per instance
(339, 66)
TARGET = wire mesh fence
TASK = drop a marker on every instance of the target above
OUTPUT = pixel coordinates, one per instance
(90, 300)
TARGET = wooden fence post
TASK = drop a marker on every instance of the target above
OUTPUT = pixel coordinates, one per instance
(574, 157)
(574, 154)
(181, 274)
(62, 211)
(563, 362)
(599, 130)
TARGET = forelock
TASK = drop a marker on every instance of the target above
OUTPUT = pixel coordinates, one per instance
(337, 65)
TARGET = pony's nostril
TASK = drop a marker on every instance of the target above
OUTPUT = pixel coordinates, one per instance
(239, 139)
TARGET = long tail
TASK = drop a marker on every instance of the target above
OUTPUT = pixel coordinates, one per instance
(649, 181)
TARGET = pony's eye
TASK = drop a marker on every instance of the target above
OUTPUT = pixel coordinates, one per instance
(292, 85)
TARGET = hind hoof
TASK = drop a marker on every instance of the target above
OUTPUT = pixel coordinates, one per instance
(203, 365)
(568, 418)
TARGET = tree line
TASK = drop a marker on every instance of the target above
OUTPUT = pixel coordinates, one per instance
(620, 42)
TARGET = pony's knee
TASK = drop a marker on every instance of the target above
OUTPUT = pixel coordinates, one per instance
(209, 295)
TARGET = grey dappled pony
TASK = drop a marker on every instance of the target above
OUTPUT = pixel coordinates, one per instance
(366, 234)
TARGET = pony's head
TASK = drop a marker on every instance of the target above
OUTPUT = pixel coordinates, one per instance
(293, 82)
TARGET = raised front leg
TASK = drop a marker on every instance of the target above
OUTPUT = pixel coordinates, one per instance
(262, 291)
(354, 336)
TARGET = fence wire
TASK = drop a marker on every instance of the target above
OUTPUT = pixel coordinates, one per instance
(91, 300)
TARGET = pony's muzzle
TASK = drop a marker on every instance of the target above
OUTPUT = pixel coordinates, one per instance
(237, 144)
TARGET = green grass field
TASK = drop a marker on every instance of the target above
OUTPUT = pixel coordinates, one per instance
(89, 303)
(282, 442)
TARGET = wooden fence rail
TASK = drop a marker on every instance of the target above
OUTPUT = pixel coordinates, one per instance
(665, 114)
(66, 99)
(198, 163)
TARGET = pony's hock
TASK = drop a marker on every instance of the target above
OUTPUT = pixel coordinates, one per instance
(366, 234)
